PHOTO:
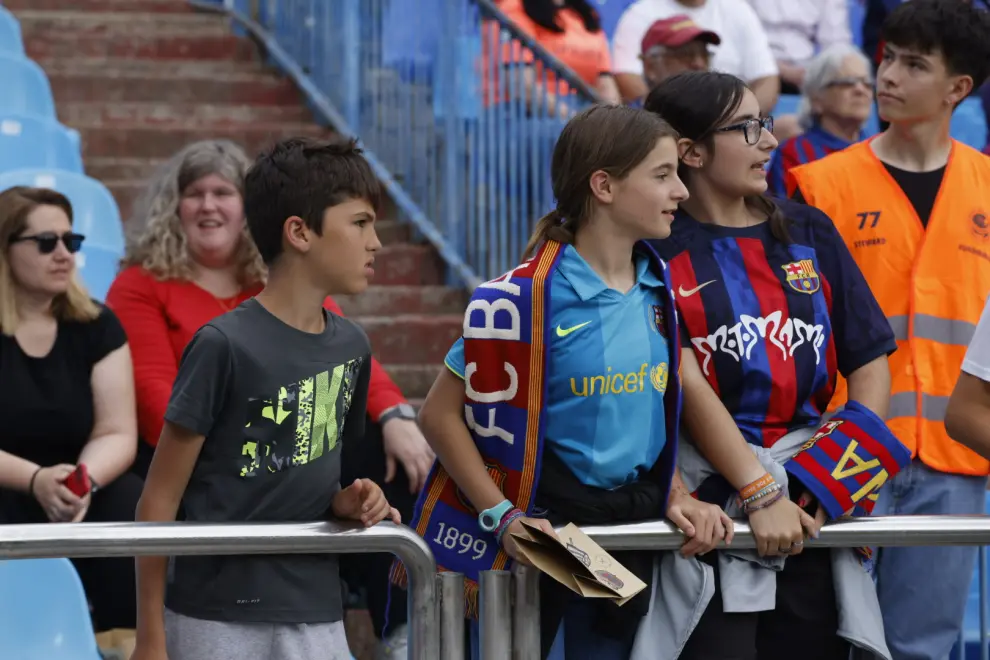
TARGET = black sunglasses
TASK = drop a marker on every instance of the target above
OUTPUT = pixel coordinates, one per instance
(751, 129)
(47, 241)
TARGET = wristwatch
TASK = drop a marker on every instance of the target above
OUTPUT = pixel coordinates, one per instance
(400, 411)
(489, 519)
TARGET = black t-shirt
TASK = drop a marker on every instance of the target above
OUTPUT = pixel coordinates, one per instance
(921, 189)
(46, 404)
(275, 405)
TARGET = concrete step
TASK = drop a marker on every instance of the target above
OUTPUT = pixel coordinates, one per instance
(414, 380)
(181, 114)
(117, 80)
(142, 35)
(138, 141)
(411, 339)
(144, 6)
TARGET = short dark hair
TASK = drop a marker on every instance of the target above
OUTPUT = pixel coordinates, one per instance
(303, 177)
(956, 29)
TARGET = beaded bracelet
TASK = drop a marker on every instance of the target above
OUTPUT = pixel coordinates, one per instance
(510, 516)
(749, 508)
(756, 486)
(772, 488)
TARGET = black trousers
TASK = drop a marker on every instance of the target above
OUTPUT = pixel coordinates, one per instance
(369, 571)
(108, 581)
(803, 625)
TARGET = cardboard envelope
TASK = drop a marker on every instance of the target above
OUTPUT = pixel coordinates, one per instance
(578, 563)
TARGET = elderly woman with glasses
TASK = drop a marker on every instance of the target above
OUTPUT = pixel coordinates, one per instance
(66, 394)
(836, 101)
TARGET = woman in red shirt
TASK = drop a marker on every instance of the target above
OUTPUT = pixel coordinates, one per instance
(190, 259)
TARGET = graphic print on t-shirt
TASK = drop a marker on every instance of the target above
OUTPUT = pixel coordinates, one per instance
(301, 422)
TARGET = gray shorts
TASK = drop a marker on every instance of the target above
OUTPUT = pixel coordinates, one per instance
(187, 638)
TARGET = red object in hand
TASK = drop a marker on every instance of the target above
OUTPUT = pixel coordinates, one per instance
(78, 482)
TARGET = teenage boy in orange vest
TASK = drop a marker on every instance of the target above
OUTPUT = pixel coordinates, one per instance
(912, 205)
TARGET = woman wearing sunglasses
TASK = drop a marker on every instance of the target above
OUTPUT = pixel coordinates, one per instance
(66, 394)
(772, 307)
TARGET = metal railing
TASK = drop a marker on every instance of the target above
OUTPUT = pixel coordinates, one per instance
(509, 612)
(169, 539)
(457, 108)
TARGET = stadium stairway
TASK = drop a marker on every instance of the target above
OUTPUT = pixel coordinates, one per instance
(140, 78)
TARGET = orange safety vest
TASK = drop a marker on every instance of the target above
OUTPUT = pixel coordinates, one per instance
(932, 285)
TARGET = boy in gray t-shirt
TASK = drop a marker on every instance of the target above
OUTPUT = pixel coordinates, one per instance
(264, 398)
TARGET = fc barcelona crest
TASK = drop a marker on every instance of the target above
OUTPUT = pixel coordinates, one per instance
(801, 276)
(659, 320)
(497, 475)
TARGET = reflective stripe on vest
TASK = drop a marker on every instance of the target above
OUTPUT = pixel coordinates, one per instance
(926, 326)
(930, 280)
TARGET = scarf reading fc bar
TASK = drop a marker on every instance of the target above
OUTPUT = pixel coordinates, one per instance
(505, 345)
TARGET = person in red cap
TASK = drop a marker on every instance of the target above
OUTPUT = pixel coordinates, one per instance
(674, 45)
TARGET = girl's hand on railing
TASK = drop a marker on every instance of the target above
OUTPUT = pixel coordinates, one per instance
(780, 528)
(704, 524)
(509, 543)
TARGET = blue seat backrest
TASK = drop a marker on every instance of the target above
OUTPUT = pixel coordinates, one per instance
(35, 142)
(43, 612)
(10, 34)
(95, 214)
(969, 123)
(26, 90)
(609, 12)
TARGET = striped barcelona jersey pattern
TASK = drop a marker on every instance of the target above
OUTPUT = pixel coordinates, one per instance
(808, 147)
(757, 314)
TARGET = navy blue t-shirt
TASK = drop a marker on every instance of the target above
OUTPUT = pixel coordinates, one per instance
(771, 323)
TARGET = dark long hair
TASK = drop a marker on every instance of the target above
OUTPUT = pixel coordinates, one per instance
(696, 103)
(611, 138)
(544, 13)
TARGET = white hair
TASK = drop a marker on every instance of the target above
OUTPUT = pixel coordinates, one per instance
(820, 72)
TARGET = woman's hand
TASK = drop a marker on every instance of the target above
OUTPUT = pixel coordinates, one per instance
(704, 524)
(509, 543)
(781, 528)
(59, 503)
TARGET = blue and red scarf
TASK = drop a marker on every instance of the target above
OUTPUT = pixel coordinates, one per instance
(506, 340)
(848, 460)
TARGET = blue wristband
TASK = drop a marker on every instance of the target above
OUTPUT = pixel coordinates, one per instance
(489, 519)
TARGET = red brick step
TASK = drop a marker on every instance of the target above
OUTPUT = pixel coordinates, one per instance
(181, 114)
(414, 380)
(116, 80)
(71, 34)
(407, 338)
(405, 299)
(156, 6)
(138, 141)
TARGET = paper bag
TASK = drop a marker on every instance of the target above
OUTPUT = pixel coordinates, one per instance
(116, 644)
(578, 563)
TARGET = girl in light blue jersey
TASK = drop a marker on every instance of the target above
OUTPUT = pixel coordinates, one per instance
(588, 434)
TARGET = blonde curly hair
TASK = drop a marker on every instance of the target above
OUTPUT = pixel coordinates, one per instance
(155, 240)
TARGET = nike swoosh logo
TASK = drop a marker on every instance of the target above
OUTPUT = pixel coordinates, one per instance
(687, 293)
(563, 333)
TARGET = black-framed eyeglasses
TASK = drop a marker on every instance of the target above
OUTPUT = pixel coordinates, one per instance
(751, 129)
(48, 240)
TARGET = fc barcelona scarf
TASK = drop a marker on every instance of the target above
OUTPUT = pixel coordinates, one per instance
(848, 460)
(506, 342)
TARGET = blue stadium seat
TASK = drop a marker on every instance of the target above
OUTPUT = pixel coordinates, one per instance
(969, 123)
(33, 142)
(10, 34)
(43, 612)
(971, 621)
(787, 104)
(26, 90)
(95, 215)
